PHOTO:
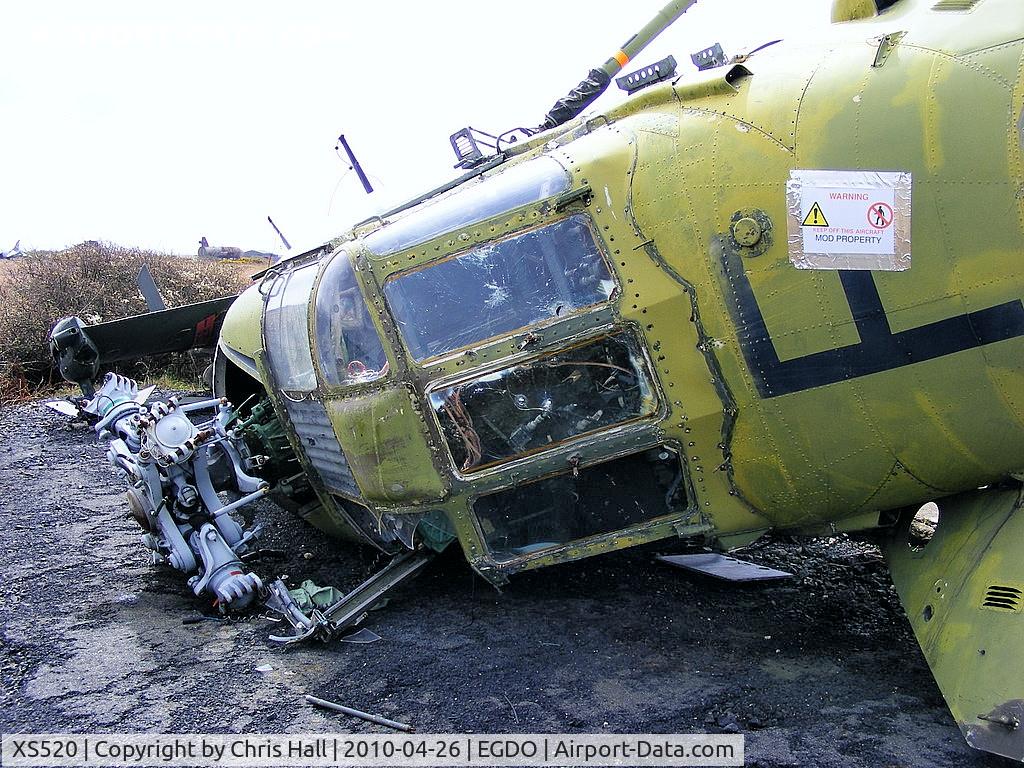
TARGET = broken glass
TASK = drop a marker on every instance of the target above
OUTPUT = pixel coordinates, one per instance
(349, 349)
(541, 403)
(500, 287)
(600, 499)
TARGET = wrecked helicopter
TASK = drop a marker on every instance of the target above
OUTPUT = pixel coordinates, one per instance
(780, 293)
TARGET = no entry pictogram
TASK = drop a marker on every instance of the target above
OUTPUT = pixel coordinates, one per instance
(880, 215)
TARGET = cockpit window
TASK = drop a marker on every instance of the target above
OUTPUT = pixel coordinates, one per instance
(500, 287)
(286, 327)
(537, 405)
(519, 185)
(348, 348)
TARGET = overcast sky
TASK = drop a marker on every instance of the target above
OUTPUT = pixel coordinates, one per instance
(154, 124)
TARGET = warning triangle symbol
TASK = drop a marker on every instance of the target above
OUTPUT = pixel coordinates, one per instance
(815, 217)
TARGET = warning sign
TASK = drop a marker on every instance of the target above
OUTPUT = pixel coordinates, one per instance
(849, 219)
(815, 217)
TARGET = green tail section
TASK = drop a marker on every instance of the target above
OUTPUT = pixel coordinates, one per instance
(964, 594)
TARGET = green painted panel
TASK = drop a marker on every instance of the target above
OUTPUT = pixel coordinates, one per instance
(383, 437)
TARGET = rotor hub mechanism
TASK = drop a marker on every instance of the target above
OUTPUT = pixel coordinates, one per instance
(168, 459)
(170, 436)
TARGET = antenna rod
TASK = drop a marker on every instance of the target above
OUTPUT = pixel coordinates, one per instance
(355, 164)
(287, 245)
(584, 94)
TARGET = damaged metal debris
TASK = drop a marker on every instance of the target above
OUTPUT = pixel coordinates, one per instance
(370, 718)
(181, 474)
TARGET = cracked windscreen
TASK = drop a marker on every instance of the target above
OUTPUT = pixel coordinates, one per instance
(538, 404)
(500, 287)
(600, 499)
(349, 349)
(286, 327)
(528, 182)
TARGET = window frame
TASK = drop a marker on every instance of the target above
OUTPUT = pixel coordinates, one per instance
(646, 368)
(597, 543)
(546, 322)
(506, 198)
(349, 251)
(283, 277)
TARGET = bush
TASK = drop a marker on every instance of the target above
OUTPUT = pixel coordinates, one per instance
(97, 282)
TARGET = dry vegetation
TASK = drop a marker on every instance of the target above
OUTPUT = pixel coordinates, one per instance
(97, 282)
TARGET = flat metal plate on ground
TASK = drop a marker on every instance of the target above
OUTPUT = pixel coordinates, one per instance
(724, 567)
(62, 407)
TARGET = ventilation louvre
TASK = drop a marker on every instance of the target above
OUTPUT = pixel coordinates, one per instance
(1003, 598)
(316, 434)
(955, 5)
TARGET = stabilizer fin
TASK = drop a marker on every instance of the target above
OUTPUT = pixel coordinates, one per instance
(964, 594)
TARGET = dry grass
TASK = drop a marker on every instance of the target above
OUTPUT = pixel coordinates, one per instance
(97, 282)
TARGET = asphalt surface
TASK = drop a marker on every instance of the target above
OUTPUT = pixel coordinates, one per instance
(821, 670)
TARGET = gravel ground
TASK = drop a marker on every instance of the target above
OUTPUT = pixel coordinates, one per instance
(821, 670)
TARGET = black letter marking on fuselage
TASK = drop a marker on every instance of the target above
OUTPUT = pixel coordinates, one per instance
(879, 349)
